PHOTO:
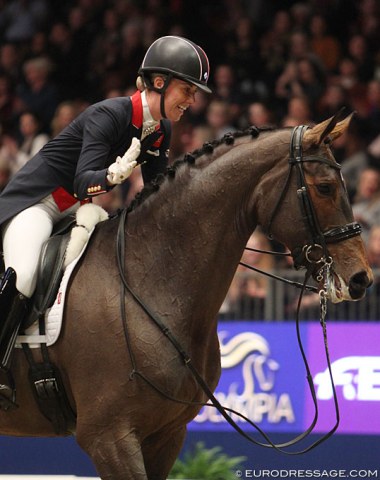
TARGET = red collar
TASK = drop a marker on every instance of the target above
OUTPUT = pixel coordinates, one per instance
(137, 110)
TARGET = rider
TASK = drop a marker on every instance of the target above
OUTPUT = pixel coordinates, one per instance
(95, 152)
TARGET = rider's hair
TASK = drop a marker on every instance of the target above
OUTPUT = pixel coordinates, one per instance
(141, 85)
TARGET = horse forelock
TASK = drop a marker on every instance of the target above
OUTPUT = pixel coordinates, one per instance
(209, 149)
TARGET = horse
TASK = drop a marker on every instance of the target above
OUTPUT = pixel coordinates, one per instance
(181, 242)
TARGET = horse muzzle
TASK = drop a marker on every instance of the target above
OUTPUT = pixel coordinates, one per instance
(354, 290)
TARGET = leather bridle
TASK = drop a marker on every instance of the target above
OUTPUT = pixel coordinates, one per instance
(319, 241)
(302, 255)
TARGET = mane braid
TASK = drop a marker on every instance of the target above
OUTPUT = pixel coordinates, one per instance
(190, 158)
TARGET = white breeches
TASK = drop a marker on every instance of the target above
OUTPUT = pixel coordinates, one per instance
(23, 237)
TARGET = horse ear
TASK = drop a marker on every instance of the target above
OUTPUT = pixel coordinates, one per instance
(328, 130)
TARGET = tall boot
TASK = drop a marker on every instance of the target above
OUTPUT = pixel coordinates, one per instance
(13, 309)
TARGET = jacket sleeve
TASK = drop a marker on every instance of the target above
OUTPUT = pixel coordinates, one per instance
(100, 132)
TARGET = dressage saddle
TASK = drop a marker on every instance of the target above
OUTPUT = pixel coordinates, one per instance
(20, 313)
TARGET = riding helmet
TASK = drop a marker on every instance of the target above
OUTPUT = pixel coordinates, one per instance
(177, 57)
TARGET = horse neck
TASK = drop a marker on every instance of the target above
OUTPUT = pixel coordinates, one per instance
(191, 234)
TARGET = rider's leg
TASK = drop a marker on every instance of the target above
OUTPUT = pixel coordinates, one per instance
(23, 238)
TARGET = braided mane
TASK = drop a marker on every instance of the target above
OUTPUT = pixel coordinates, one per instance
(190, 158)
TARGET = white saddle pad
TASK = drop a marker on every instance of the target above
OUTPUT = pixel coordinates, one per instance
(88, 216)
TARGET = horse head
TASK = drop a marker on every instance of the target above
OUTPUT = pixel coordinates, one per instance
(326, 224)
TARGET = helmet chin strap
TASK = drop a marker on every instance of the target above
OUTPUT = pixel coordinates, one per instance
(161, 91)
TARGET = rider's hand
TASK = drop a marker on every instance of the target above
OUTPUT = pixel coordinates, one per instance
(123, 166)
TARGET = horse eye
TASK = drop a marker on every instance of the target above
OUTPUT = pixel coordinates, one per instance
(325, 188)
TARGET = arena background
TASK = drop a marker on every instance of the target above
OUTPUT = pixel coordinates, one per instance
(251, 45)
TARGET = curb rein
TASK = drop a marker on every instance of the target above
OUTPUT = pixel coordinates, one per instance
(300, 255)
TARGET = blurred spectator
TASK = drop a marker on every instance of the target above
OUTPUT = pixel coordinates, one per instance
(105, 54)
(299, 45)
(10, 62)
(258, 114)
(7, 103)
(374, 148)
(63, 115)
(219, 118)
(194, 138)
(373, 252)
(67, 73)
(373, 246)
(38, 93)
(298, 112)
(366, 206)
(348, 78)
(5, 172)
(8, 149)
(273, 47)
(325, 46)
(39, 46)
(132, 50)
(369, 23)
(248, 290)
(300, 13)
(31, 140)
(20, 19)
(302, 77)
(225, 88)
(243, 55)
(358, 52)
(370, 114)
(333, 99)
(196, 113)
(350, 150)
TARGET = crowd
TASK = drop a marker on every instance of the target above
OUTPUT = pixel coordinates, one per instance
(281, 63)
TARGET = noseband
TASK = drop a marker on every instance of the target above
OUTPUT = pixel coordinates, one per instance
(317, 247)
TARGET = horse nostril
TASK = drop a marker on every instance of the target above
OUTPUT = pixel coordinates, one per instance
(358, 284)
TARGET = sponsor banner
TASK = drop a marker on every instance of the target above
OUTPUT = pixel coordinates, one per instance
(264, 378)
(355, 359)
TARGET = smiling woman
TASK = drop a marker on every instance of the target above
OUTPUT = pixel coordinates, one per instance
(95, 152)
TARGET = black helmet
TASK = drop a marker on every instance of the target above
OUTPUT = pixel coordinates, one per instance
(179, 58)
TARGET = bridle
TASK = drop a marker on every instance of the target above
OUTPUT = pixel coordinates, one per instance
(302, 257)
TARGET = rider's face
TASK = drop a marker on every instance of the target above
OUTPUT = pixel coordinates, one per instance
(178, 97)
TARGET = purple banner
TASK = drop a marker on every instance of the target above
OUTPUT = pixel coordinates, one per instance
(263, 377)
(355, 358)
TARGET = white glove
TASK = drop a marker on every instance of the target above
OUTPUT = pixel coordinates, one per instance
(123, 166)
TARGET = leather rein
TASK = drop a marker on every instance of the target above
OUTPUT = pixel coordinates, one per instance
(319, 241)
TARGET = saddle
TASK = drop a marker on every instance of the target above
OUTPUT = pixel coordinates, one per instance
(44, 377)
(50, 270)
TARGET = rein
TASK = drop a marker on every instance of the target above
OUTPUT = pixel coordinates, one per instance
(120, 253)
(324, 263)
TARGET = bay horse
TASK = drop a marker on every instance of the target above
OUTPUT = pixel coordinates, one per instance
(182, 240)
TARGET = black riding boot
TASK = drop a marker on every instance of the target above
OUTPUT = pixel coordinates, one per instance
(13, 308)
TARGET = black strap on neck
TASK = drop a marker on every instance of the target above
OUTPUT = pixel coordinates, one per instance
(225, 412)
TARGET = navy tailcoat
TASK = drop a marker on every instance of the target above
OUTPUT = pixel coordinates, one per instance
(76, 161)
